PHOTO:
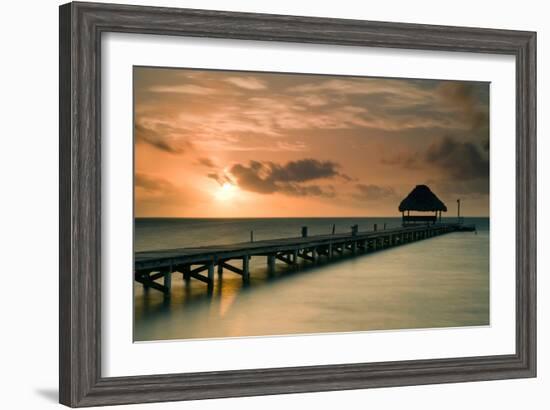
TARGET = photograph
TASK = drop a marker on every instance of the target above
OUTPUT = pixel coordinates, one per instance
(272, 204)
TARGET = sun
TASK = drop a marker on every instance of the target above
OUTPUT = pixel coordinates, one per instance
(226, 191)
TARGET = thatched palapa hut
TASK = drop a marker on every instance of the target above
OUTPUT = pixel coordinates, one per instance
(421, 199)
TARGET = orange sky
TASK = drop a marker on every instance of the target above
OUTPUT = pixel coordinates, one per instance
(249, 144)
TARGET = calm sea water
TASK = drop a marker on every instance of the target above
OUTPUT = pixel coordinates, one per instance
(439, 282)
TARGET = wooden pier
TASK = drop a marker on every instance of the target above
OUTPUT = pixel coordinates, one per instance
(201, 263)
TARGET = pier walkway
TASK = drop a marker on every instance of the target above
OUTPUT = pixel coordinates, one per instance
(200, 263)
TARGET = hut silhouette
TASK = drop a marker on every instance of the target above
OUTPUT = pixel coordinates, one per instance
(421, 199)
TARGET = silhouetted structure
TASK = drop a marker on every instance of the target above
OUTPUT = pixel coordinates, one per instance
(421, 199)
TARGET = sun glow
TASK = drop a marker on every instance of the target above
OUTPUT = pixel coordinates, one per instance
(225, 191)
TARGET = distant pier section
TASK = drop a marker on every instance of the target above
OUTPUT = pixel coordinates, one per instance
(202, 263)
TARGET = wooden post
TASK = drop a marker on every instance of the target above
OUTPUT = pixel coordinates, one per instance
(145, 286)
(304, 231)
(220, 267)
(251, 236)
(211, 274)
(314, 255)
(330, 251)
(271, 264)
(384, 225)
(295, 257)
(375, 227)
(354, 247)
(458, 211)
(246, 269)
(186, 270)
(168, 280)
(333, 228)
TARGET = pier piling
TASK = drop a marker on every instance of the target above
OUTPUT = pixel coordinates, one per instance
(246, 269)
(168, 280)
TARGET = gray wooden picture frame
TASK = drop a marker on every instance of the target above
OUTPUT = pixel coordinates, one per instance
(81, 27)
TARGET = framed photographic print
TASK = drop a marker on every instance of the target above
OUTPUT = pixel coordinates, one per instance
(262, 204)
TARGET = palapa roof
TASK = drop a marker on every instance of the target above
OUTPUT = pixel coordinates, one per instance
(421, 198)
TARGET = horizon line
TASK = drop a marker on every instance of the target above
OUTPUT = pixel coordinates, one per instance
(292, 217)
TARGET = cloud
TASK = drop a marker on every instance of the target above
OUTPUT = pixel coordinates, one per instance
(163, 137)
(450, 157)
(308, 190)
(404, 159)
(464, 96)
(304, 170)
(461, 160)
(289, 146)
(269, 177)
(456, 166)
(373, 192)
(248, 83)
(150, 187)
(220, 178)
(206, 162)
(387, 90)
(183, 89)
(241, 118)
(313, 100)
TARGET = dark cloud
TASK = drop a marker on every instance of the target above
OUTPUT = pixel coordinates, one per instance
(307, 190)
(163, 137)
(305, 170)
(467, 97)
(448, 157)
(457, 159)
(457, 166)
(255, 177)
(220, 178)
(370, 192)
(269, 177)
(206, 162)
